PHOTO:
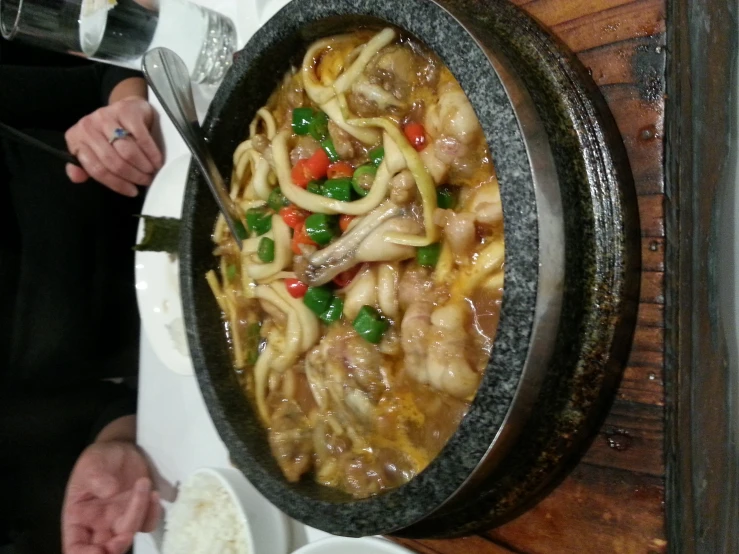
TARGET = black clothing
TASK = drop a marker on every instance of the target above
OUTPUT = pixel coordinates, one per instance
(62, 268)
(67, 303)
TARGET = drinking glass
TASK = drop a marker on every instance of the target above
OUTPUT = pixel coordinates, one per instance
(121, 31)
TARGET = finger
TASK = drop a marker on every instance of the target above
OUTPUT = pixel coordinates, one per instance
(82, 512)
(77, 539)
(72, 137)
(101, 536)
(111, 159)
(153, 515)
(119, 544)
(97, 171)
(104, 485)
(76, 535)
(76, 174)
(133, 518)
(89, 133)
(85, 549)
(130, 151)
(135, 124)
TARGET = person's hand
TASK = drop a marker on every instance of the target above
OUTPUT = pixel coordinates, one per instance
(109, 499)
(127, 162)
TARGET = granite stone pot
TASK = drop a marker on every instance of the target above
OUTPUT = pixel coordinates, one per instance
(571, 271)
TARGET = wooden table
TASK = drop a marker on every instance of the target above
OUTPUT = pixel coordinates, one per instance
(613, 501)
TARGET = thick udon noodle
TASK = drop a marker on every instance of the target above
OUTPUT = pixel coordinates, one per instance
(363, 406)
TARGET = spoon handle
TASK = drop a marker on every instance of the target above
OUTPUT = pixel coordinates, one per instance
(169, 78)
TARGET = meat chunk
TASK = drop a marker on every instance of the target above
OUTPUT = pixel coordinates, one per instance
(294, 93)
(394, 69)
(342, 141)
(357, 479)
(343, 362)
(416, 112)
(449, 149)
(398, 60)
(362, 106)
(414, 335)
(459, 230)
(486, 205)
(290, 440)
(376, 94)
(430, 71)
(403, 188)
(448, 369)
(330, 446)
(414, 285)
(453, 117)
(436, 168)
(362, 361)
(386, 84)
(435, 344)
(305, 147)
(458, 118)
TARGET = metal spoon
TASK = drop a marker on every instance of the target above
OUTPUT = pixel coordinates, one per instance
(169, 78)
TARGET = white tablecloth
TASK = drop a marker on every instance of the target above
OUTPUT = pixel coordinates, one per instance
(174, 428)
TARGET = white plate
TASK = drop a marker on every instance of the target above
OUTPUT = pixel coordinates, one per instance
(344, 545)
(157, 273)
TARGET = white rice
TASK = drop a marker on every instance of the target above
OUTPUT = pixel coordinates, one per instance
(204, 520)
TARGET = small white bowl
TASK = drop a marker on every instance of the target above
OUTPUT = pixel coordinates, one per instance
(345, 545)
(266, 527)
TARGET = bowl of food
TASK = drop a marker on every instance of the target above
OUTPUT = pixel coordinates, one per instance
(438, 271)
(217, 510)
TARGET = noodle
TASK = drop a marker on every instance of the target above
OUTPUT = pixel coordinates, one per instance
(290, 340)
(215, 287)
(280, 234)
(423, 180)
(261, 375)
(387, 289)
(321, 204)
(366, 135)
(269, 121)
(308, 321)
(379, 41)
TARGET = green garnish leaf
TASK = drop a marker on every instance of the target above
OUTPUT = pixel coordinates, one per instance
(161, 234)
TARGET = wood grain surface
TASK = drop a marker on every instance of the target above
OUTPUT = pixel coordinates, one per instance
(702, 479)
(613, 501)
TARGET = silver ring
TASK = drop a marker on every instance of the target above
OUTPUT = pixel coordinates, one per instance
(119, 133)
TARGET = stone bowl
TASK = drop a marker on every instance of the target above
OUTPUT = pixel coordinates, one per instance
(571, 270)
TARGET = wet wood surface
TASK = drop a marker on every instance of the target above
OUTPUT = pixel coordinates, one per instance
(613, 501)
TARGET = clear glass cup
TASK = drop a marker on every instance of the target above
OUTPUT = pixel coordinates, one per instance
(121, 31)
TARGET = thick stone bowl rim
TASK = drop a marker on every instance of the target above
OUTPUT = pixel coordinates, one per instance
(398, 508)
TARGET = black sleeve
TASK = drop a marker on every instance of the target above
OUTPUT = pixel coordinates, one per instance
(111, 76)
(42, 433)
(124, 406)
(36, 419)
(54, 95)
(52, 98)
